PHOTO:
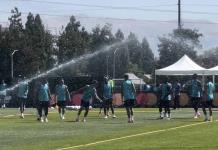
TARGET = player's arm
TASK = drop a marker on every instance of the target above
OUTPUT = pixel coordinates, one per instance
(56, 93)
(122, 94)
(27, 89)
(67, 92)
(133, 88)
(96, 95)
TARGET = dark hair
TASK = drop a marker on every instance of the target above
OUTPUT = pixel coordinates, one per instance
(94, 82)
(194, 76)
(126, 76)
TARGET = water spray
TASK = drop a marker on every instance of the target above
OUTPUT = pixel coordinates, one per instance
(71, 62)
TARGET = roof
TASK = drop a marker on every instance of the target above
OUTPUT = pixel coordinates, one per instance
(184, 66)
(135, 79)
(212, 71)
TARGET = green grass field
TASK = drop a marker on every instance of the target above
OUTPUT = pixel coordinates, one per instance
(181, 132)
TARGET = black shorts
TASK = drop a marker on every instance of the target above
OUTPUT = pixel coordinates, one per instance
(85, 104)
(22, 100)
(208, 103)
(107, 102)
(129, 102)
(61, 103)
(43, 103)
(164, 104)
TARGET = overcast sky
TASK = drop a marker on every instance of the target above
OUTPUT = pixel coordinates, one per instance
(121, 9)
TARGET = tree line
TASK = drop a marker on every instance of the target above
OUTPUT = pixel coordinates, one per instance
(39, 50)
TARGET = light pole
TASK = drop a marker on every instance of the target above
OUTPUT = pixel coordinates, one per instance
(107, 57)
(114, 63)
(12, 63)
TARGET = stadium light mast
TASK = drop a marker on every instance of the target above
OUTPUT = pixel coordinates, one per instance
(114, 62)
(179, 14)
(12, 63)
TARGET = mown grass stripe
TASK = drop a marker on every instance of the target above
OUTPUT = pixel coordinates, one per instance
(134, 135)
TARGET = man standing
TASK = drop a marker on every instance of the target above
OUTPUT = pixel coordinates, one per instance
(22, 92)
(165, 100)
(44, 96)
(195, 93)
(176, 94)
(128, 94)
(89, 92)
(62, 95)
(209, 100)
(108, 97)
(3, 87)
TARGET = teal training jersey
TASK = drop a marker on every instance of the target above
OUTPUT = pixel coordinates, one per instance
(165, 91)
(61, 92)
(88, 93)
(44, 93)
(196, 88)
(128, 90)
(107, 93)
(22, 90)
(210, 90)
(2, 89)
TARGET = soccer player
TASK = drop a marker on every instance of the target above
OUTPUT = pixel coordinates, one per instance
(128, 94)
(44, 96)
(3, 86)
(22, 92)
(62, 95)
(165, 100)
(108, 97)
(195, 93)
(209, 100)
(89, 92)
(176, 94)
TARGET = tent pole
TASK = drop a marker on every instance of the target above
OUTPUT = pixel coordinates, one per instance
(203, 80)
(155, 79)
(214, 79)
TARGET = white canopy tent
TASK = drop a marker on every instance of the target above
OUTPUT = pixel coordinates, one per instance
(184, 66)
(212, 71)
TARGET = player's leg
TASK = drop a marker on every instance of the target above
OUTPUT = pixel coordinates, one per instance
(86, 111)
(210, 106)
(194, 106)
(79, 111)
(111, 106)
(63, 107)
(204, 106)
(161, 108)
(21, 101)
(40, 111)
(105, 105)
(46, 105)
(168, 109)
(126, 104)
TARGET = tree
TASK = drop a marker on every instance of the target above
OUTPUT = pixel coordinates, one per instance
(209, 58)
(38, 49)
(73, 41)
(119, 36)
(178, 43)
(147, 57)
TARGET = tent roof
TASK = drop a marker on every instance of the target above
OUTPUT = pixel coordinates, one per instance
(135, 79)
(184, 66)
(212, 71)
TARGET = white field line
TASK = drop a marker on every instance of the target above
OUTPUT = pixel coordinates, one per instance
(8, 116)
(130, 136)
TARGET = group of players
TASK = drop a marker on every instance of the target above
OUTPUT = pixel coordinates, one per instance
(62, 95)
(199, 95)
(128, 93)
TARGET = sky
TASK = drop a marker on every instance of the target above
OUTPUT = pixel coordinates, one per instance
(55, 13)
